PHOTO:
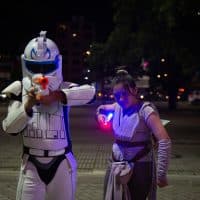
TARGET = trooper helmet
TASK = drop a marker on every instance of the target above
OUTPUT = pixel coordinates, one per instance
(41, 56)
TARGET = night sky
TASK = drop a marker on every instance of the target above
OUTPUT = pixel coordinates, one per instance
(20, 21)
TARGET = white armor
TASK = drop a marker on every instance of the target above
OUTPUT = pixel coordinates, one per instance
(46, 129)
(40, 131)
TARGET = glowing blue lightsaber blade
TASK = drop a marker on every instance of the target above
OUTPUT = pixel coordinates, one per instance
(109, 117)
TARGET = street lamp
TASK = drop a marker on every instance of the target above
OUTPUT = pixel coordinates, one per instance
(165, 75)
(158, 76)
(88, 53)
(162, 60)
(86, 78)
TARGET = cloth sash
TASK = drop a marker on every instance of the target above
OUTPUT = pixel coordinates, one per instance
(115, 188)
(121, 172)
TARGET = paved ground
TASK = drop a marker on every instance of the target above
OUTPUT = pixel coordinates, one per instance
(184, 172)
(90, 187)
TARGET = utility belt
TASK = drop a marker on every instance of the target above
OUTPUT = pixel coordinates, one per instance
(45, 153)
(147, 146)
(146, 143)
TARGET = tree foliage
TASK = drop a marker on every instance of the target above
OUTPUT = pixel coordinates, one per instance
(152, 30)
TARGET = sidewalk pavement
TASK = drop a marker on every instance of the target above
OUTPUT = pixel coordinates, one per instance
(90, 186)
(184, 173)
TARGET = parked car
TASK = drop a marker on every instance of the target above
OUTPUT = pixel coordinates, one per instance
(194, 97)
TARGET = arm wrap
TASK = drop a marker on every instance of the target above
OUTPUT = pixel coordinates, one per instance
(164, 151)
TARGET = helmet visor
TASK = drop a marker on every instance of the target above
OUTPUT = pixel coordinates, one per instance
(41, 67)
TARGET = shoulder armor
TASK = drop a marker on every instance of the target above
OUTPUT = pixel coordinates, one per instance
(14, 88)
(68, 85)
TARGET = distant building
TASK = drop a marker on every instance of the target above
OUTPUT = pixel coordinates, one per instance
(8, 73)
(6, 66)
(74, 38)
(195, 81)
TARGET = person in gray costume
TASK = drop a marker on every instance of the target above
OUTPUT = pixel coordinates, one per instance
(132, 173)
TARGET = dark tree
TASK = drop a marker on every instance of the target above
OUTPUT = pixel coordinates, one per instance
(153, 30)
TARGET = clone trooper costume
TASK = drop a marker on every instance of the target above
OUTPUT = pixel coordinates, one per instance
(48, 169)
